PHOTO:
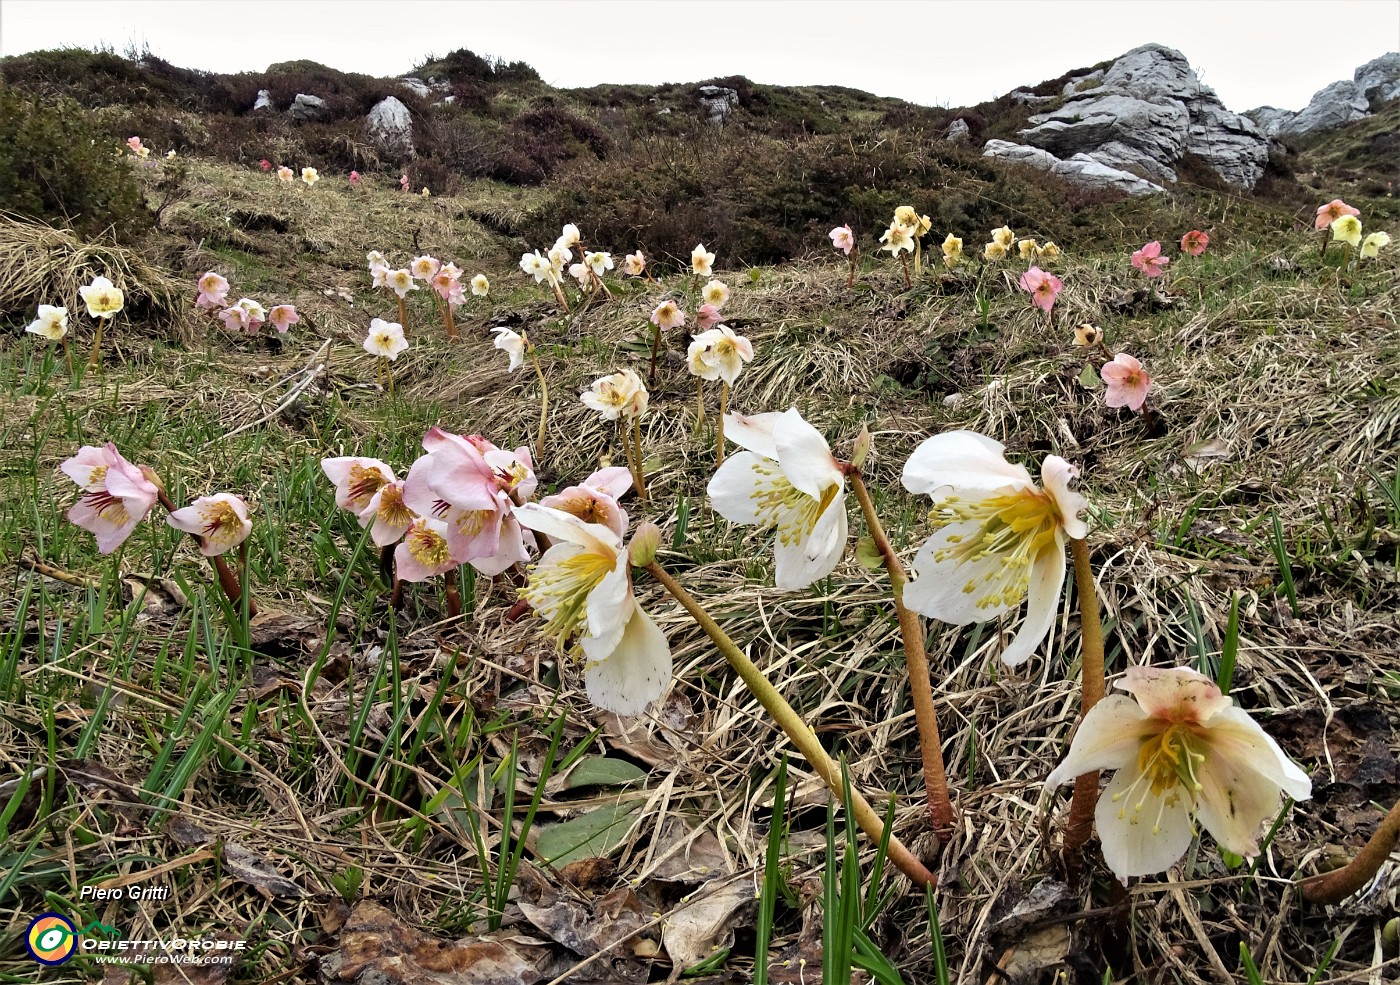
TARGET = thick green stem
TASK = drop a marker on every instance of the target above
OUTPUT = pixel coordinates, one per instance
(795, 728)
(1333, 887)
(940, 807)
(1086, 787)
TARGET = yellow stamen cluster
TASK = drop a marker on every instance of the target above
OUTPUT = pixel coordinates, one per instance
(220, 520)
(364, 483)
(108, 507)
(780, 504)
(1014, 527)
(471, 522)
(392, 509)
(1169, 765)
(427, 546)
(561, 589)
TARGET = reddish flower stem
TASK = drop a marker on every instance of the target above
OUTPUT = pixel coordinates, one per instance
(228, 581)
(403, 316)
(1086, 786)
(1333, 887)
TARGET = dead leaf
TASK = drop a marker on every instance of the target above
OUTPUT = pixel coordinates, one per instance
(256, 871)
(376, 948)
(105, 786)
(1046, 898)
(286, 635)
(1201, 454)
(694, 856)
(185, 833)
(1023, 962)
(584, 927)
(704, 923)
(588, 874)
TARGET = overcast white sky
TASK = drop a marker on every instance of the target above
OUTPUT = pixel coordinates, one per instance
(934, 52)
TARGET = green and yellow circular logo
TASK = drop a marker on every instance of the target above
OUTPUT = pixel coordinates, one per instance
(51, 938)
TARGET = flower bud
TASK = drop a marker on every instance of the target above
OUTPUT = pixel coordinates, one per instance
(863, 446)
(645, 543)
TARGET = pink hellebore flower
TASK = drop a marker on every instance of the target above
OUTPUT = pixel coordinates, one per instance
(213, 289)
(843, 239)
(134, 143)
(1043, 287)
(389, 515)
(708, 317)
(594, 500)
(1150, 261)
(403, 182)
(356, 480)
(116, 494)
(668, 315)
(265, 164)
(1127, 382)
(220, 522)
(283, 316)
(354, 177)
(1194, 242)
(1331, 212)
(423, 553)
(247, 314)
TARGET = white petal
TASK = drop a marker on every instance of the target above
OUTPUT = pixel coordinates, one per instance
(1056, 473)
(1107, 739)
(1233, 734)
(1141, 842)
(799, 565)
(1042, 602)
(804, 455)
(937, 589)
(634, 673)
(611, 604)
(563, 526)
(1235, 802)
(731, 488)
(962, 460)
(753, 432)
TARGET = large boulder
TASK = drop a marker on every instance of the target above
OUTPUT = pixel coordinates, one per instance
(717, 102)
(1081, 168)
(1339, 103)
(1379, 79)
(390, 127)
(307, 109)
(264, 101)
(1143, 114)
(1376, 82)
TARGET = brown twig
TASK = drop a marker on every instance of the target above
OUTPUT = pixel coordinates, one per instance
(1335, 886)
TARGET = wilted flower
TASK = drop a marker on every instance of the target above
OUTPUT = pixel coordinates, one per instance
(385, 338)
(635, 264)
(1150, 261)
(1370, 247)
(1043, 287)
(213, 289)
(480, 285)
(1331, 212)
(103, 298)
(621, 395)
(283, 317)
(220, 522)
(1087, 334)
(512, 345)
(998, 538)
(843, 239)
(116, 494)
(701, 262)
(582, 586)
(1127, 382)
(1194, 243)
(309, 176)
(52, 322)
(715, 293)
(667, 316)
(1183, 753)
(1347, 229)
(786, 478)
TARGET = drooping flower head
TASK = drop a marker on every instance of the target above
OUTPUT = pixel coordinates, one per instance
(668, 315)
(1347, 229)
(1150, 261)
(220, 522)
(385, 338)
(1127, 382)
(283, 317)
(569, 236)
(635, 264)
(310, 176)
(512, 344)
(1331, 212)
(1043, 287)
(1183, 753)
(52, 323)
(213, 290)
(994, 251)
(1373, 244)
(579, 272)
(999, 539)
(135, 144)
(621, 395)
(701, 262)
(843, 239)
(707, 317)
(103, 298)
(785, 478)
(716, 292)
(116, 494)
(910, 219)
(719, 354)
(403, 182)
(446, 282)
(1195, 243)
(354, 177)
(582, 587)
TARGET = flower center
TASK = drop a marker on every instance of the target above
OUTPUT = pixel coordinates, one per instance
(221, 522)
(111, 509)
(1168, 764)
(781, 504)
(364, 483)
(1014, 527)
(561, 591)
(428, 547)
(392, 509)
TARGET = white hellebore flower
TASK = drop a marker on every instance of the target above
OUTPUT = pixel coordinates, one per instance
(569, 236)
(701, 262)
(623, 394)
(385, 339)
(598, 262)
(52, 322)
(220, 522)
(716, 292)
(998, 536)
(103, 298)
(536, 266)
(898, 238)
(1183, 752)
(480, 285)
(786, 478)
(511, 344)
(583, 587)
(719, 354)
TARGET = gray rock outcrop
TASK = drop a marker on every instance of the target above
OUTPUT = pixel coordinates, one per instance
(1081, 168)
(717, 102)
(1339, 103)
(264, 101)
(305, 109)
(390, 125)
(1376, 82)
(958, 132)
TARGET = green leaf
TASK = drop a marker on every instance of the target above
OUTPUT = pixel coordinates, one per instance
(600, 771)
(589, 835)
(1089, 378)
(868, 554)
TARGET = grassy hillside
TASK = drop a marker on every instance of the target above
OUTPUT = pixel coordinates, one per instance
(333, 783)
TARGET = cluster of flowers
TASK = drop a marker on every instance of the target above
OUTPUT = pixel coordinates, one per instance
(309, 176)
(140, 151)
(1344, 222)
(246, 314)
(104, 301)
(444, 278)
